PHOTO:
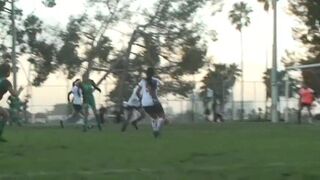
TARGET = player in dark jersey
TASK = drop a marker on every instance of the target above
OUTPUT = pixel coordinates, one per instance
(15, 109)
(88, 86)
(5, 86)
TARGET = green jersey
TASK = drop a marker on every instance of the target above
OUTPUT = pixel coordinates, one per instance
(88, 98)
(15, 102)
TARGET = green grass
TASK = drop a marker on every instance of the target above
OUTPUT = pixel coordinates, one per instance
(240, 151)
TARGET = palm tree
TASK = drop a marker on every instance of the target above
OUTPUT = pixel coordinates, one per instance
(266, 4)
(266, 7)
(221, 80)
(239, 16)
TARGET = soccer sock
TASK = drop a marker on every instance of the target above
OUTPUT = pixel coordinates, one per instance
(154, 125)
(159, 123)
(85, 124)
(98, 122)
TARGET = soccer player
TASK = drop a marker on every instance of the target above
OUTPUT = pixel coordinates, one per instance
(88, 86)
(77, 100)
(131, 107)
(15, 105)
(5, 86)
(148, 87)
(306, 99)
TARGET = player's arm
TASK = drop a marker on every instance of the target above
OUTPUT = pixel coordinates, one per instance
(9, 100)
(95, 86)
(11, 90)
(69, 93)
(19, 90)
(159, 83)
(138, 92)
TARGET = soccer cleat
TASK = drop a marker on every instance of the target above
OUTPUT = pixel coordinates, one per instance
(124, 125)
(156, 134)
(134, 124)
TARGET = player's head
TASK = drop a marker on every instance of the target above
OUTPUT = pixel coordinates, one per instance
(304, 85)
(5, 70)
(76, 82)
(85, 76)
(150, 72)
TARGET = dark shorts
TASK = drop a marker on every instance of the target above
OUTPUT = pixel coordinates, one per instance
(155, 109)
(77, 107)
(132, 108)
(305, 105)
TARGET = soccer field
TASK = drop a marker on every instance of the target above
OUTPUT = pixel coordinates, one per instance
(241, 151)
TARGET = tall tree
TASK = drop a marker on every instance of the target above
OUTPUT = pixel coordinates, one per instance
(28, 39)
(308, 15)
(170, 41)
(85, 44)
(221, 80)
(239, 17)
(165, 36)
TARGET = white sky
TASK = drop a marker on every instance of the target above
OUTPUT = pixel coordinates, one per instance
(257, 40)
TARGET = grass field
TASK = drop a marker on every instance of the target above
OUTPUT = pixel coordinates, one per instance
(241, 151)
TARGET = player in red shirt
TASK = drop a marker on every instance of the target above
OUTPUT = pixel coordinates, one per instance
(306, 99)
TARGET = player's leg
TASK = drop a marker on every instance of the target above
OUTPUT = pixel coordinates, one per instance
(141, 116)
(159, 111)
(78, 111)
(127, 116)
(92, 104)
(16, 117)
(3, 119)
(86, 114)
(150, 110)
(299, 113)
(62, 121)
(310, 114)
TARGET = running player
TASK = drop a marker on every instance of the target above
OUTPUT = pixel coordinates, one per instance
(131, 107)
(148, 87)
(306, 99)
(88, 86)
(5, 86)
(77, 100)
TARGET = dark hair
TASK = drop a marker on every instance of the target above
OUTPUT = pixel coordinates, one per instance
(74, 82)
(150, 74)
(5, 70)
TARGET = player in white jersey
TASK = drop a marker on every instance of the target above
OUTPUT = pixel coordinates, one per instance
(148, 88)
(77, 100)
(132, 110)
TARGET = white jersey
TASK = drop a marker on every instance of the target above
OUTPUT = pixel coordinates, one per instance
(147, 99)
(134, 99)
(77, 95)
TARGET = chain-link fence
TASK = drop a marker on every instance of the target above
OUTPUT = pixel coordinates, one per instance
(52, 101)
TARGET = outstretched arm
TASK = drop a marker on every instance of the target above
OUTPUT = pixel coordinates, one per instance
(9, 100)
(95, 86)
(138, 92)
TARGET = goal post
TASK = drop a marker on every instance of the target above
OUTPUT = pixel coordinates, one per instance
(298, 67)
